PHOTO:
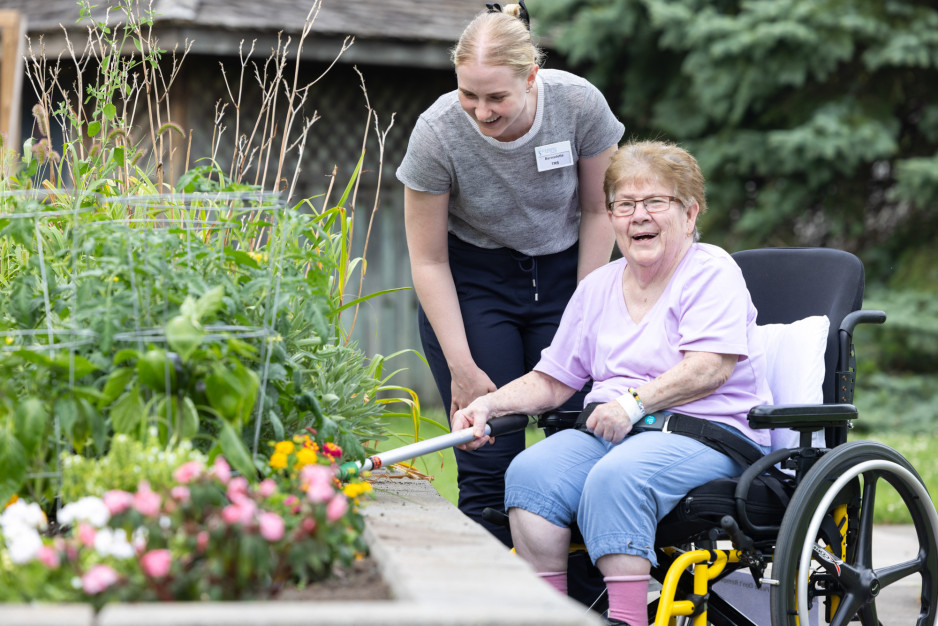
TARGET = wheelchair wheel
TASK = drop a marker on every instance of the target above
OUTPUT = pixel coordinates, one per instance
(824, 548)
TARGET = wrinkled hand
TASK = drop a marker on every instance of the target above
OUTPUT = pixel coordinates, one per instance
(475, 415)
(609, 421)
(468, 386)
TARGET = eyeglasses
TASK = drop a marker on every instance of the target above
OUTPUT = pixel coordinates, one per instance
(653, 204)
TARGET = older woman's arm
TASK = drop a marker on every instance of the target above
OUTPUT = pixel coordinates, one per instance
(533, 393)
(699, 374)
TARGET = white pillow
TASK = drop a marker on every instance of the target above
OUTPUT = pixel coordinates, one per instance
(794, 368)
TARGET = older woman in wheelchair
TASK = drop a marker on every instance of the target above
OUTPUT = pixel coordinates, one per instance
(680, 401)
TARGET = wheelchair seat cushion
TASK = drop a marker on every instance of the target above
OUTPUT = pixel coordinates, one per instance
(704, 507)
(794, 367)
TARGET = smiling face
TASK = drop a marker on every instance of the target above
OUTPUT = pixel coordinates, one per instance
(497, 99)
(653, 242)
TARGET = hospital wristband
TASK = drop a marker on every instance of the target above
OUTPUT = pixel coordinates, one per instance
(641, 405)
(630, 405)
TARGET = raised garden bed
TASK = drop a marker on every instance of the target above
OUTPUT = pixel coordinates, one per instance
(439, 568)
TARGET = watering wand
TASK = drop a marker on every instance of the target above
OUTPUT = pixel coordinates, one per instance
(503, 425)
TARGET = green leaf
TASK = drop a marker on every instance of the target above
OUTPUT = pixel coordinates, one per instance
(128, 414)
(210, 303)
(66, 411)
(110, 111)
(232, 392)
(242, 258)
(178, 416)
(276, 424)
(94, 128)
(82, 366)
(189, 424)
(184, 336)
(98, 426)
(31, 419)
(115, 385)
(235, 451)
(125, 355)
(13, 462)
(155, 370)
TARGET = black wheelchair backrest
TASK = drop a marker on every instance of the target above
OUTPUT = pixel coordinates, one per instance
(788, 284)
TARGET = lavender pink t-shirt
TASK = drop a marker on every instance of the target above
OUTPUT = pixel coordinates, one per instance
(705, 308)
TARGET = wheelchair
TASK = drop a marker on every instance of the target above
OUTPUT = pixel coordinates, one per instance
(799, 521)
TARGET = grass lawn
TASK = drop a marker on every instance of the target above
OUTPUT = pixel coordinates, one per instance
(921, 451)
(440, 465)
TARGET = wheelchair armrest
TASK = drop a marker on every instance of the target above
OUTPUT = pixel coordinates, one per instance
(801, 416)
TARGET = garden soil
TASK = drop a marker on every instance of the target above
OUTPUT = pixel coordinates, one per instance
(362, 581)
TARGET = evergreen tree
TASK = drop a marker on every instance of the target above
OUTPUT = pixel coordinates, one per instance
(814, 121)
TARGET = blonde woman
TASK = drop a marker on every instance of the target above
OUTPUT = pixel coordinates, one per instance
(504, 213)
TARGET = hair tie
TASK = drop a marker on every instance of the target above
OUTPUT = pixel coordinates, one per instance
(494, 7)
(524, 17)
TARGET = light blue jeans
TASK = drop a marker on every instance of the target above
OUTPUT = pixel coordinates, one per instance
(616, 494)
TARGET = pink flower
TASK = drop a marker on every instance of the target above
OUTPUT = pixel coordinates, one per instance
(266, 488)
(237, 486)
(180, 493)
(187, 472)
(155, 563)
(86, 534)
(231, 514)
(201, 540)
(118, 501)
(272, 526)
(319, 492)
(336, 508)
(294, 503)
(241, 512)
(49, 557)
(317, 480)
(98, 578)
(309, 525)
(316, 474)
(146, 501)
(222, 470)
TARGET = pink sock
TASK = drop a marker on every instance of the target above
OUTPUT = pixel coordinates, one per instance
(557, 580)
(628, 598)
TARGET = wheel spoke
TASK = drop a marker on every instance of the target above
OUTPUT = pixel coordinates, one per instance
(846, 610)
(868, 615)
(864, 553)
(893, 573)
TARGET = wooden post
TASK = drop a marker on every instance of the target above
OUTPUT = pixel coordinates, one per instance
(12, 35)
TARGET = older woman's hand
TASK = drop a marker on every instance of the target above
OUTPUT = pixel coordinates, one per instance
(609, 421)
(476, 415)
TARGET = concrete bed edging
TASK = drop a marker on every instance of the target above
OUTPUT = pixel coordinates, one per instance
(442, 569)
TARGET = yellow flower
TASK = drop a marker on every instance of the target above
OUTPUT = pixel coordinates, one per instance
(278, 460)
(9, 340)
(305, 456)
(353, 490)
(284, 447)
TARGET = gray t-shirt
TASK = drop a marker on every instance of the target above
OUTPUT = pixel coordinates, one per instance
(498, 198)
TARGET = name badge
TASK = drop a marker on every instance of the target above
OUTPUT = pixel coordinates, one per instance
(553, 156)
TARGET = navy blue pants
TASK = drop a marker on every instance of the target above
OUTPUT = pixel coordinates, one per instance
(511, 305)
